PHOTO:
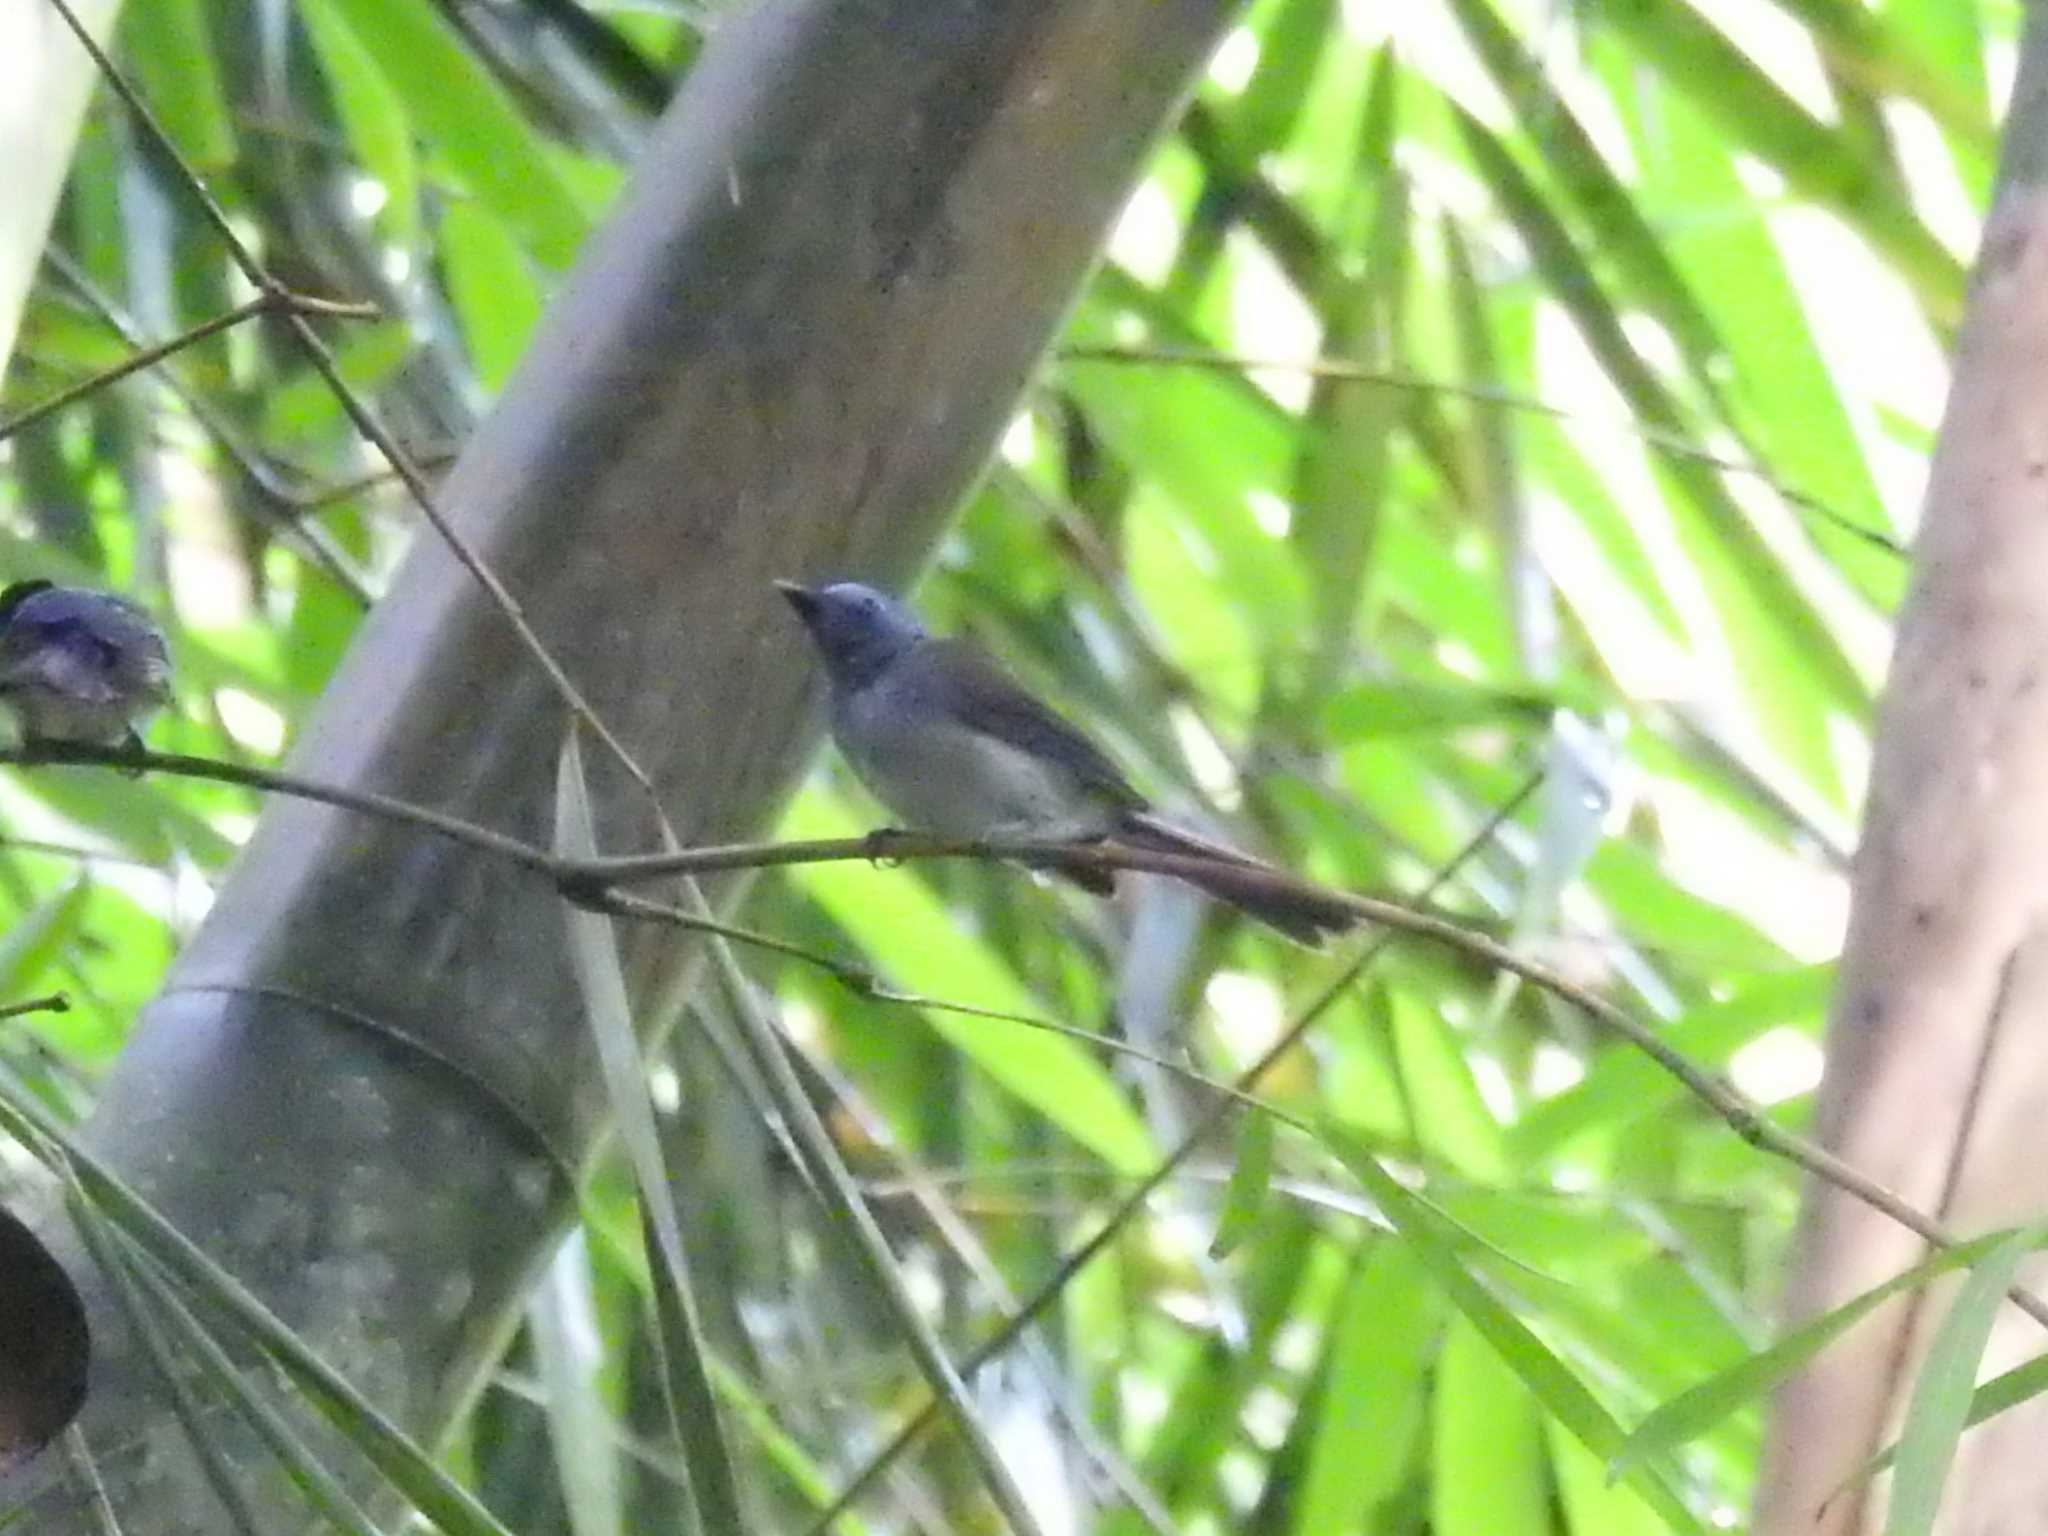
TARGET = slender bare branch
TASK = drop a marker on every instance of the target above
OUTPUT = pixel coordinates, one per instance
(589, 881)
(55, 1002)
(358, 410)
(277, 480)
(865, 983)
(275, 781)
(271, 301)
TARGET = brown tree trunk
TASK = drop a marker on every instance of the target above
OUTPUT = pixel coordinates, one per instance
(367, 1082)
(1937, 1081)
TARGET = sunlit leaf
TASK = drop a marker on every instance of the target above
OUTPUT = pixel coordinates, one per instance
(1251, 1179)
(1756, 113)
(1371, 1402)
(495, 293)
(167, 44)
(1488, 1478)
(374, 115)
(1554, 1386)
(468, 117)
(914, 943)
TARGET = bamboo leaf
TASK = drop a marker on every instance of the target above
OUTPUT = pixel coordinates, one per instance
(1340, 479)
(1754, 111)
(167, 45)
(156, 1347)
(1698, 1410)
(568, 1353)
(497, 298)
(1251, 1179)
(1378, 710)
(1939, 1406)
(165, 1317)
(1626, 236)
(2006, 1390)
(1488, 1473)
(1793, 663)
(714, 1486)
(411, 1470)
(373, 113)
(1553, 1384)
(915, 943)
(467, 116)
(1623, 1085)
(1291, 47)
(1370, 1399)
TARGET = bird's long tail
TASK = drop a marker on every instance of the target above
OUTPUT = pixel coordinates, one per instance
(1272, 896)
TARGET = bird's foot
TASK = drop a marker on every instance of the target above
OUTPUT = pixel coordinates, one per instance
(884, 845)
(131, 747)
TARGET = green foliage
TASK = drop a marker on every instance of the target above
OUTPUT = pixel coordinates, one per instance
(1456, 366)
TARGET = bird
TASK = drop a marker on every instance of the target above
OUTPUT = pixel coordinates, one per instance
(79, 666)
(952, 744)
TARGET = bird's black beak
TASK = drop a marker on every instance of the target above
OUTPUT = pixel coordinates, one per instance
(802, 599)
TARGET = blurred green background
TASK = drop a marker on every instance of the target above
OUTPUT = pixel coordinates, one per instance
(1470, 391)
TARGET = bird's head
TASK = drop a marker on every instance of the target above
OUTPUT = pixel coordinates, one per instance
(858, 631)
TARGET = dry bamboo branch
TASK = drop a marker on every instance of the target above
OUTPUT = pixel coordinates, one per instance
(590, 881)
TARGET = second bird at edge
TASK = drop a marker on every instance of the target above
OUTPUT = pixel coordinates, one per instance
(80, 666)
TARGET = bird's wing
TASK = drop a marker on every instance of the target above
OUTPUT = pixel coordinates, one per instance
(61, 666)
(92, 646)
(985, 698)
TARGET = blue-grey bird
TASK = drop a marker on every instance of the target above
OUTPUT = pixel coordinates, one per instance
(80, 666)
(954, 746)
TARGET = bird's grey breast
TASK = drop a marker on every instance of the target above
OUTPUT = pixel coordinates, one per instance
(906, 741)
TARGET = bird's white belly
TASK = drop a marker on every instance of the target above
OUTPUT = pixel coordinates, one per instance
(961, 783)
(54, 715)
